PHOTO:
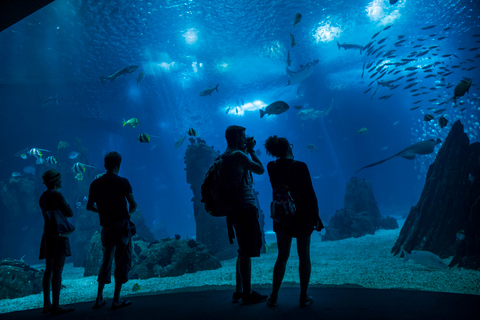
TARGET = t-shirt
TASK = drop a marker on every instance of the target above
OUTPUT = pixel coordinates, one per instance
(109, 193)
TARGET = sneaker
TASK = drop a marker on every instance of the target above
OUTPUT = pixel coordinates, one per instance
(305, 301)
(272, 301)
(237, 297)
(253, 297)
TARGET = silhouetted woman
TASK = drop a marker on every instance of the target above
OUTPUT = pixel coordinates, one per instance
(53, 248)
(296, 176)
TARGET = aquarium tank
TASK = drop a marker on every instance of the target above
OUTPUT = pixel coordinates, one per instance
(358, 82)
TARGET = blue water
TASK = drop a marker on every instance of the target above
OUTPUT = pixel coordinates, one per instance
(183, 47)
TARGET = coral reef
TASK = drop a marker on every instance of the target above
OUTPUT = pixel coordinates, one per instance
(164, 258)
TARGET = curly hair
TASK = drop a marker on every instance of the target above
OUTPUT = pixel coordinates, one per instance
(277, 147)
(112, 160)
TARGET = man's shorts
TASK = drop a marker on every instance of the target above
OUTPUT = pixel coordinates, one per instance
(247, 231)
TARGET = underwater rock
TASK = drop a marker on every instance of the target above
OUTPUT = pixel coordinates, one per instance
(360, 216)
(359, 198)
(22, 222)
(210, 231)
(387, 223)
(347, 223)
(18, 279)
(450, 202)
(94, 257)
(164, 258)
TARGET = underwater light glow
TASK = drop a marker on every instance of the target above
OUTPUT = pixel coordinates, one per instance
(326, 33)
(194, 66)
(191, 36)
(249, 106)
(375, 10)
(166, 66)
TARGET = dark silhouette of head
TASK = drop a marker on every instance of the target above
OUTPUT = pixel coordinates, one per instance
(112, 160)
(278, 147)
(233, 134)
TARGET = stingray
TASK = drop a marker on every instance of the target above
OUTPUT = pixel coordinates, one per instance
(295, 77)
(420, 148)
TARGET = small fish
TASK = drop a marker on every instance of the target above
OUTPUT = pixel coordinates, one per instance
(367, 90)
(440, 111)
(131, 122)
(312, 147)
(16, 174)
(140, 77)
(277, 107)
(429, 27)
(179, 142)
(414, 108)
(461, 89)
(292, 42)
(362, 130)
(79, 167)
(376, 34)
(29, 170)
(388, 27)
(208, 91)
(192, 132)
(79, 176)
(37, 153)
(386, 97)
(143, 137)
(99, 175)
(49, 100)
(136, 287)
(428, 117)
(73, 155)
(441, 38)
(382, 40)
(289, 60)
(51, 160)
(298, 17)
(392, 2)
(442, 122)
(297, 107)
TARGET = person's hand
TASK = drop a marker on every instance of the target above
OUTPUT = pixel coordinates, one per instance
(250, 143)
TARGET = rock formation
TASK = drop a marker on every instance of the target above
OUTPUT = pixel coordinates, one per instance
(164, 258)
(449, 203)
(210, 231)
(360, 216)
(18, 280)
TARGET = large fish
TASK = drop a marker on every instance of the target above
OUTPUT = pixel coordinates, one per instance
(461, 89)
(277, 107)
(295, 77)
(349, 46)
(426, 258)
(420, 148)
(208, 91)
(119, 73)
(312, 114)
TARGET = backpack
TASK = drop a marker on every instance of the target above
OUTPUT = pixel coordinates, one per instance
(282, 208)
(216, 193)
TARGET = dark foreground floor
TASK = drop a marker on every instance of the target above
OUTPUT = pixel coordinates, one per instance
(330, 303)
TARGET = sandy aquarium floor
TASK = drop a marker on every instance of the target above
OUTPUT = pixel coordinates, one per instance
(364, 261)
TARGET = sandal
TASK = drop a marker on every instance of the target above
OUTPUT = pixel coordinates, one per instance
(305, 301)
(124, 303)
(99, 305)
